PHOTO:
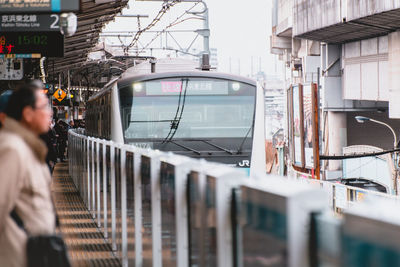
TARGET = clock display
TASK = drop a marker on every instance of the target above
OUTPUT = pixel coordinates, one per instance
(48, 44)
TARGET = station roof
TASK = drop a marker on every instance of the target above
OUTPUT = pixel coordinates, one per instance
(357, 29)
(91, 19)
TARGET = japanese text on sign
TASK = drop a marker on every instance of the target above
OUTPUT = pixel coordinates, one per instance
(4, 47)
(18, 18)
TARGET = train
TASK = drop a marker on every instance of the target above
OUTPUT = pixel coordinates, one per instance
(173, 106)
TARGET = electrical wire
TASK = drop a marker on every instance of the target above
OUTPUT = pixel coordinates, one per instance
(323, 157)
(164, 9)
(173, 23)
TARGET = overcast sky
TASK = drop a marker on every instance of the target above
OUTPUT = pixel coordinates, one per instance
(240, 30)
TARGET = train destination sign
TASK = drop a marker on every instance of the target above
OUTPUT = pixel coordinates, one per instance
(47, 44)
(29, 22)
(34, 6)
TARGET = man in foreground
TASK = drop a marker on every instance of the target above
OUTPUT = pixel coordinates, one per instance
(24, 176)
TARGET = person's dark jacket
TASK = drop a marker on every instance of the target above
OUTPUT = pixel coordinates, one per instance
(51, 142)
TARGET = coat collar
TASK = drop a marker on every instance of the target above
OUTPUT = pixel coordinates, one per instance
(38, 146)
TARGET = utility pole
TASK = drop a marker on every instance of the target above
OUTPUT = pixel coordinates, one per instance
(205, 32)
(206, 36)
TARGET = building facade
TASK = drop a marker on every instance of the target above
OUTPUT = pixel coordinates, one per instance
(351, 49)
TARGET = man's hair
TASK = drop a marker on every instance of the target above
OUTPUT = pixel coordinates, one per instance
(21, 98)
(36, 84)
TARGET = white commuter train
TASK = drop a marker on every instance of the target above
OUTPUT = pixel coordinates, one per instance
(177, 108)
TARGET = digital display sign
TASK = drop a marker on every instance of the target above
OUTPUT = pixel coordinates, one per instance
(192, 87)
(34, 6)
(29, 22)
(48, 44)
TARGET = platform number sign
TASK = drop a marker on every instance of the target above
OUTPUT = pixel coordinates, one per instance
(59, 95)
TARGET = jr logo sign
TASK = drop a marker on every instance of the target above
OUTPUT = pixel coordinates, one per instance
(244, 163)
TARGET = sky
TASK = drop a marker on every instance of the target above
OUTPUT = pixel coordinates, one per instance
(239, 30)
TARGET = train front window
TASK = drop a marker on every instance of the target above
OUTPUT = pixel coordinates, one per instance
(188, 107)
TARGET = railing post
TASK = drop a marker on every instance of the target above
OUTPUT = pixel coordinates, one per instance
(105, 210)
(138, 210)
(92, 180)
(98, 183)
(88, 174)
(123, 209)
(113, 204)
(156, 210)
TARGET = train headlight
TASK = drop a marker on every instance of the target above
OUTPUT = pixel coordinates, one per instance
(236, 86)
(138, 87)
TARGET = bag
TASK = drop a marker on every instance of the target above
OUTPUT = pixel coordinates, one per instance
(44, 250)
(47, 251)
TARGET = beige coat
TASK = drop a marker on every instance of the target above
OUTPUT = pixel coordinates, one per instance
(24, 184)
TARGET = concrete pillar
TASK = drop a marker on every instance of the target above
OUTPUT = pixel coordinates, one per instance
(337, 139)
(394, 75)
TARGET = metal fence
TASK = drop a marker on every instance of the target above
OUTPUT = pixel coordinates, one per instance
(159, 209)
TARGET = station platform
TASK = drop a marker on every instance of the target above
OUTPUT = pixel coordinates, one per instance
(86, 243)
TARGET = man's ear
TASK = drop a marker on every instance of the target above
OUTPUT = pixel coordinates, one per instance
(27, 114)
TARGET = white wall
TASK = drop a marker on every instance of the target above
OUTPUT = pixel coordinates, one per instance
(365, 70)
(394, 74)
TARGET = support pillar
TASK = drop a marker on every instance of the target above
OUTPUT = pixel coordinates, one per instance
(337, 139)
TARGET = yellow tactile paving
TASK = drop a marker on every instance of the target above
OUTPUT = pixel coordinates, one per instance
(86, 244)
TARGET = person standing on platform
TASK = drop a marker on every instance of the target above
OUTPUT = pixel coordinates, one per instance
(3, 104)
(50, 137)
(24, 178)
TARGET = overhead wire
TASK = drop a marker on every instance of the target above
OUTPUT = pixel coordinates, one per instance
(173, 23)
(164, 9)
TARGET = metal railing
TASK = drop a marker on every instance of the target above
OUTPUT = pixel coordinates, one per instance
(128, 190)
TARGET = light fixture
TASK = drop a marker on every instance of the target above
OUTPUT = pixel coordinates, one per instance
(362, 119)
(137, 87)
(236, 86)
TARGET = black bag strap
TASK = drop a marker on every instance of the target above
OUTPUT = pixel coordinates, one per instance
(14, 215)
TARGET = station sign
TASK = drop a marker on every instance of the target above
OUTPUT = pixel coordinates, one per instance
(38, 6)
(29, 22)
(59, 95)
(36, 44)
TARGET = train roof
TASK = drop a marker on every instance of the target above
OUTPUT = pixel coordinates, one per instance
(197, 74)
(168, 68)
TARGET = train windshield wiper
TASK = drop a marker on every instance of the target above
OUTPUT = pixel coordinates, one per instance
(185, 147)
(217, 146)
(239, 151)
(209, 143)
(152, 121)
(179, 112)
